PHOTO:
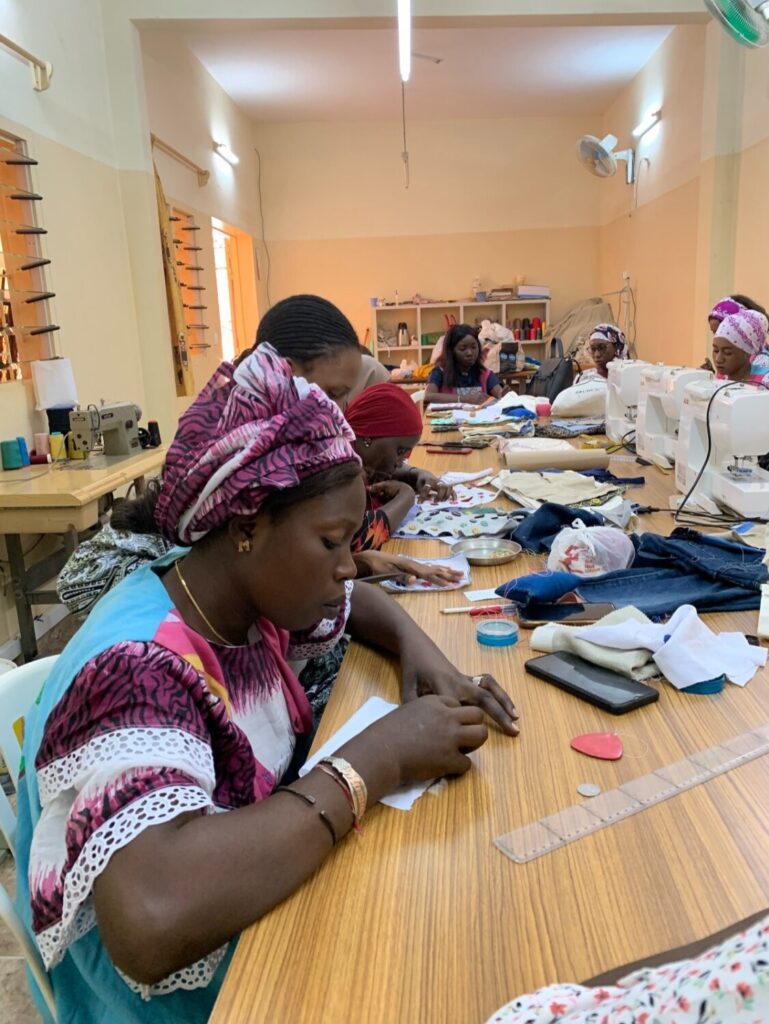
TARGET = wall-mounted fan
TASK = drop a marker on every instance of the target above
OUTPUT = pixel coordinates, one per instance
(747, 21)
(599, 157)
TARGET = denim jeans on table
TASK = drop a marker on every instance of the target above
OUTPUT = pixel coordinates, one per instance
(686, 568)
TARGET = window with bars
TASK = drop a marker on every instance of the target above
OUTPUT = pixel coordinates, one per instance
(26, 325)
(189, 268)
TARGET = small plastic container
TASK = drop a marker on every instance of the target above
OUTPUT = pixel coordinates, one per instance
(497, 632)
(543, 410)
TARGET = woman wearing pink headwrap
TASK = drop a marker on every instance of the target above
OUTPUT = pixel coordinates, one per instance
(738, 341)
(727, 307)
(176, 701)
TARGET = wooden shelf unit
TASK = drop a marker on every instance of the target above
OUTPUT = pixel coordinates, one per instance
(430, 319)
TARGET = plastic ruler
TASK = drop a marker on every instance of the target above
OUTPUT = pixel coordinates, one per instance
(582, 819)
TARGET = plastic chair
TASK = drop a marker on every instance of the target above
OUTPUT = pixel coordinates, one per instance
(18, 691)
(9, 916)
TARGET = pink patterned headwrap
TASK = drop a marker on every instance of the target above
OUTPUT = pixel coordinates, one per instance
(726, 307)
(745, 330)
(272, 432)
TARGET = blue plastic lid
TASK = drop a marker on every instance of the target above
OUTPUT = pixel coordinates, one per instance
(497, 633)
(709, 686)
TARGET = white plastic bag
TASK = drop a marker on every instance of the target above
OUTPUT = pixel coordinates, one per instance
(587, 398)
(590, 550)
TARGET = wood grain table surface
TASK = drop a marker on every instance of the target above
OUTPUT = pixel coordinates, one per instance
(421, 919)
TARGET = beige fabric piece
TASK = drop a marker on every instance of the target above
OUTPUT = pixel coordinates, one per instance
(635, 664)
(566, 488)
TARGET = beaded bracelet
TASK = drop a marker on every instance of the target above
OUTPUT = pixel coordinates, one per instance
(311, 801)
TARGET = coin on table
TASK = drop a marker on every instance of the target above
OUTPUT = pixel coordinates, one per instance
(588, 789)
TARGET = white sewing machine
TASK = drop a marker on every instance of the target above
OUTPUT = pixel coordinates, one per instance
(117, 424)
(739, 431)
(622, 397)
(660, 400)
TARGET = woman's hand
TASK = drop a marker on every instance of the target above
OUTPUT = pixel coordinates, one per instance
(426, 670)
(376, 563)
(430, 487)
(425, 739)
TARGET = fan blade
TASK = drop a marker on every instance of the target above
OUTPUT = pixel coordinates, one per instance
(746, 21)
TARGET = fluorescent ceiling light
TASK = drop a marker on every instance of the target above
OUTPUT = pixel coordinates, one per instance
(226, 153)
(404, 38)
(647, 123)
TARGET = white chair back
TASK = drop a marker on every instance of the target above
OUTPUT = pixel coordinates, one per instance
(18, 692)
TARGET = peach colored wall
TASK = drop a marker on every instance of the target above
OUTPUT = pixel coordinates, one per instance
(493, 199)
(658, 246)
(752, 242)
(350, 270)
(656, 242)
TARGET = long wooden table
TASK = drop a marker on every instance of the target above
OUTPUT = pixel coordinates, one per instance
(60, 498)
(421, 919)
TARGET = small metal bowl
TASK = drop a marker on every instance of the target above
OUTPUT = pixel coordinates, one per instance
(487, 550)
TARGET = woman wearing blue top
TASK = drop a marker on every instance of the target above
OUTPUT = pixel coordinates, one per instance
(461, 375)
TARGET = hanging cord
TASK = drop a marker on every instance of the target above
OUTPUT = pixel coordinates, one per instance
(405, 151)
(261, 223)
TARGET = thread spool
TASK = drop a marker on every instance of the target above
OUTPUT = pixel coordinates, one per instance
(40, 460)
(42, 444)
(11, 455)
(497, 633)
(23, 450)
(517, 333)
(58, 447)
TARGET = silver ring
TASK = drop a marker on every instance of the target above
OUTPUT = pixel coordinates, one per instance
(477, 680)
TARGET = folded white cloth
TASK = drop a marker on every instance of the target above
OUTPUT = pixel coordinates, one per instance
(634, 663)
(685, 649)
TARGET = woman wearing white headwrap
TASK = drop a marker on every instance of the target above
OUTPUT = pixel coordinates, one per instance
(738, 341)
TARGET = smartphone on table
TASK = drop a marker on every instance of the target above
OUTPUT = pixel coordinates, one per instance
(600, 686)
(568, 613)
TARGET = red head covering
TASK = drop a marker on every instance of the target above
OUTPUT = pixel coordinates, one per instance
(384, 411)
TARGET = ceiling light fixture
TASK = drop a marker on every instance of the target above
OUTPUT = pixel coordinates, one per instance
(647, 123)
(404, 38)
(224, 151)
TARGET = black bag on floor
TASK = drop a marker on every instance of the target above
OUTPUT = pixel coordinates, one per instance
(554, 375)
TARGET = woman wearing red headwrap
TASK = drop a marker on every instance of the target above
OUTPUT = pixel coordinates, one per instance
(387, 425)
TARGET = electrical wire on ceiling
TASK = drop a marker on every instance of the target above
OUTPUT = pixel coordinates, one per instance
(405, 150)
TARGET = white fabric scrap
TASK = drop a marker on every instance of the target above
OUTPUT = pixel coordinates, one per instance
(686, 651)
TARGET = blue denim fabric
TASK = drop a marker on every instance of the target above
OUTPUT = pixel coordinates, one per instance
(540, 528)
(686, 568)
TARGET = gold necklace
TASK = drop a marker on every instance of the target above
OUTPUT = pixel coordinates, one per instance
(198, 609)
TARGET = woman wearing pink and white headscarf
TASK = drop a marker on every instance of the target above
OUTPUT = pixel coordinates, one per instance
(738, 342)
(728, 306)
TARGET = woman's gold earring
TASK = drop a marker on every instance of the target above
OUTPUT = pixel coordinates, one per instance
(244, 545)
(367, 443)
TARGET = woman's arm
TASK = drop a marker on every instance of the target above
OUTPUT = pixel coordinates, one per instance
(181, 889)
(432, 394)
(378, 620)
(398, 500)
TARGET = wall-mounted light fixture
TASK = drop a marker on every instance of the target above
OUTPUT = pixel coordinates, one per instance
(404, 38)
(224, 151)
(647, 123)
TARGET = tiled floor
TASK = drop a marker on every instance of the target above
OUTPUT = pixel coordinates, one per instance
(16, 1006)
